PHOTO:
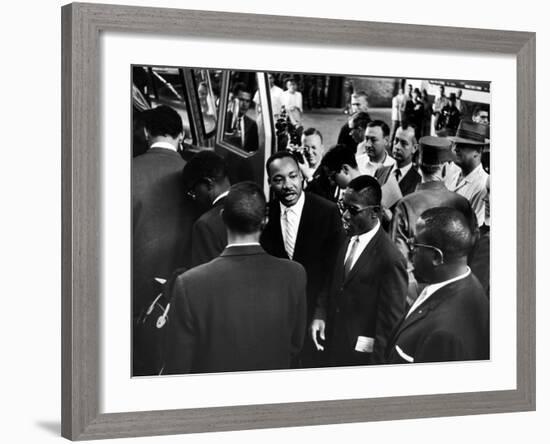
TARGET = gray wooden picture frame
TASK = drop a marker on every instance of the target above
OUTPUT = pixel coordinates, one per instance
(81, 172)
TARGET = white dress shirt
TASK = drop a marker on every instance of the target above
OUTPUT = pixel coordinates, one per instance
(366, 166)
(289, 228)
(403, 171)
(364, 240)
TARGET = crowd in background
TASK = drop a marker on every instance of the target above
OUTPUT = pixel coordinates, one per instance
(372, 251)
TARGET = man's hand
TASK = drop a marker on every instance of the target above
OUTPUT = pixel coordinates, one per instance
(318, 326)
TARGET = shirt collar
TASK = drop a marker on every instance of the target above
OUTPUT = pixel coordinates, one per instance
(297, 207)
(431, 289)
(165, 145)
(404, 170)
(473, 173)
(243, 244)
(221, 196)
(365, 238)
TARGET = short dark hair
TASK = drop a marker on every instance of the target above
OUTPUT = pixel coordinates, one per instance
(205, 164)
(313, 132)
(244, 208)
(280, 155)
(368, 188)
(383, 126)
(337, 156)
(449, 230)
(241, 86)
(361, 119)
(162, 121)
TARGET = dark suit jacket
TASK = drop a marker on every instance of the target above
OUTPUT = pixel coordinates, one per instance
(245, 310)
(251, 141)
(209, 236)
(321, 185)
(162, 218)
(369, 302)
(319, 234)
(452, 325)
(410, 181)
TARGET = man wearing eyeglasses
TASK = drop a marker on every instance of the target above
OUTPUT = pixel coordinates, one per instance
(435, 153)
(366, 297)
(450, 319)
(206, 181)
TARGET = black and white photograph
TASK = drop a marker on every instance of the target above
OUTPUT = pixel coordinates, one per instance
(285, 220)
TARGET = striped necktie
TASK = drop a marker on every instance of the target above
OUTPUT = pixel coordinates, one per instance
(289, 232)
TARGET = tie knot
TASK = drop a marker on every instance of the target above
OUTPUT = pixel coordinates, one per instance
(397, 173)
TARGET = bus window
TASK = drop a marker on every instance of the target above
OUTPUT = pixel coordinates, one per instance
(242, 118)
(208, 99)
(165, 86)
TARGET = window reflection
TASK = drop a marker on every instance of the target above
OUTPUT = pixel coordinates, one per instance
(242, 115)
(208, 98)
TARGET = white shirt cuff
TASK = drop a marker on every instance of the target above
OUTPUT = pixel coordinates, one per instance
(364, 344)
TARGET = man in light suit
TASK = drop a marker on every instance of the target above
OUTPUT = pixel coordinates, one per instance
(206, 181)
(303, 227)
(450, 319)
(244, 310)
(366, 297)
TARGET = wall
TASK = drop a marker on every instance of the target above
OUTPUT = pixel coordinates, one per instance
(30, 184)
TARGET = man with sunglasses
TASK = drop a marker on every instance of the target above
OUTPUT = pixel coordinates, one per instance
(450, 319)
(366, 297)
(206, 182)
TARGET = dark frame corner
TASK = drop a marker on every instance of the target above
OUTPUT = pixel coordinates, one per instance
(81, 25)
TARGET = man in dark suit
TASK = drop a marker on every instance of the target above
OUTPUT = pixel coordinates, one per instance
(404, 148)
(305, 228)
(206, 181)
(450, 319)
(244, 310)
(162, 218)
(369, 283)
(240, 129)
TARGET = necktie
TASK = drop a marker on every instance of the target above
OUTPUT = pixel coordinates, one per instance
(349, 260)
(397, 173)
(290, 232)
(459, 180)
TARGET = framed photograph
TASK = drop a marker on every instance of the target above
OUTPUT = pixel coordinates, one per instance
(222, 77)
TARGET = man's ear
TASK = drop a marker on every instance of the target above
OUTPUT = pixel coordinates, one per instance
(437, 258)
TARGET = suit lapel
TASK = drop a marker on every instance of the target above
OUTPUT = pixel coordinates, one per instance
(276, 229)
(427, 306)
(366, 256)
(305, 226)
(409, 182)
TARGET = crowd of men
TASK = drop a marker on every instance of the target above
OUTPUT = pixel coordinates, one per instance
(375, 251)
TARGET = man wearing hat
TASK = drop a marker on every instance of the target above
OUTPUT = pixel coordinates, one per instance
(435, 153)
(469, 142)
